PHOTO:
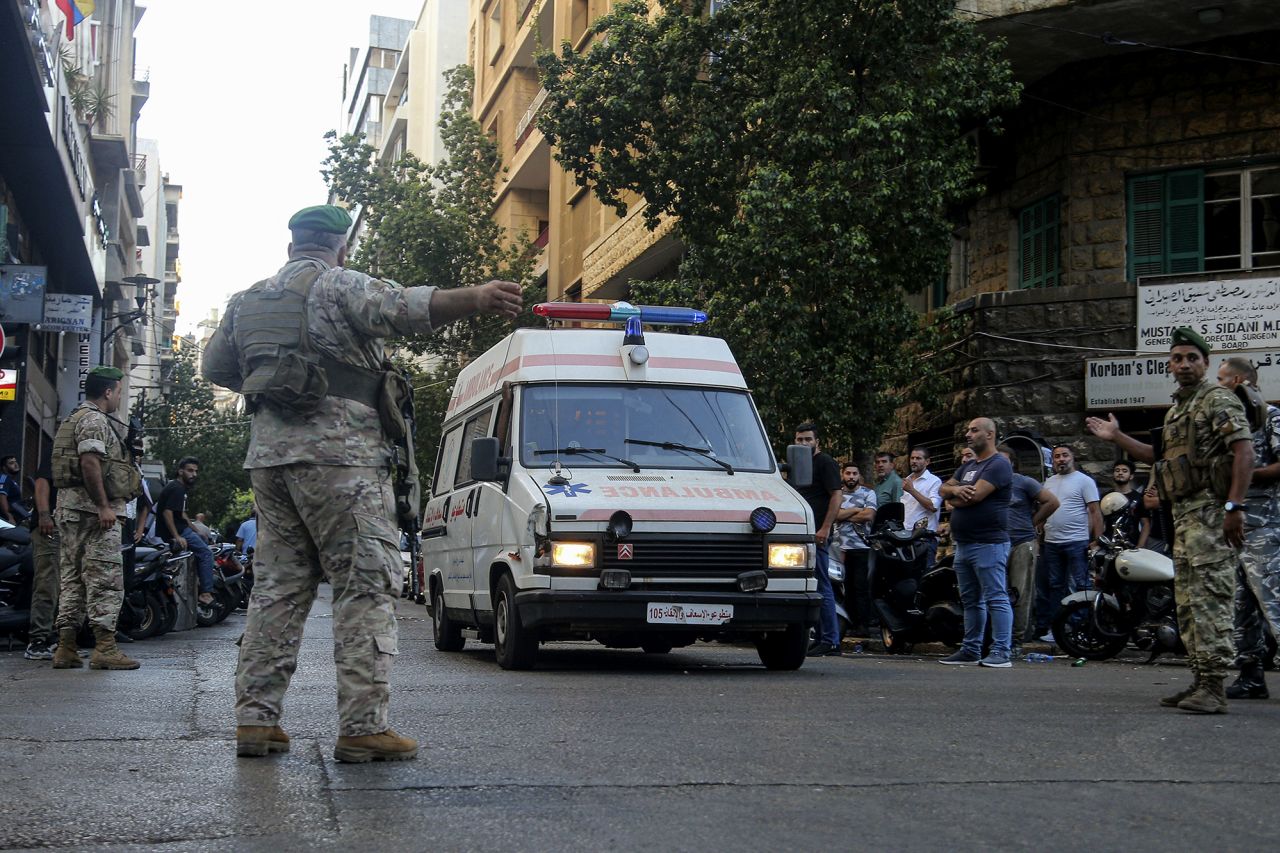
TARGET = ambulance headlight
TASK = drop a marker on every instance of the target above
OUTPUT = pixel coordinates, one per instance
(785, 555)
(573, 555)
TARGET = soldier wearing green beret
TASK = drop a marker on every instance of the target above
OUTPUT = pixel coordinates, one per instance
(95, 475)
(306, 349)
(1204, 471)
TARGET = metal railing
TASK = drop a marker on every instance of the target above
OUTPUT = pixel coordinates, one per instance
(527, 122)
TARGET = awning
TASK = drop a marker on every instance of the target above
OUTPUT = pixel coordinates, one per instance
(31, 165)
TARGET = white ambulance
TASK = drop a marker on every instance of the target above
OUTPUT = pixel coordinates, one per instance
(611, 485)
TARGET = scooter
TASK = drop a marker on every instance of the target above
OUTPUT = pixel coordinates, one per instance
(1132, 599)
(149, 607)
(915, 605)
(17, 575)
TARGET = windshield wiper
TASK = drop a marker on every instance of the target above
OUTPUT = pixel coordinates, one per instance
(569, 451)
(702, 452)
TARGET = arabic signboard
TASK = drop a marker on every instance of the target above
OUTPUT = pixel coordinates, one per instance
(1232, 314)
(1143, 381)
(67, 312)
(22, 293)
(8, 384)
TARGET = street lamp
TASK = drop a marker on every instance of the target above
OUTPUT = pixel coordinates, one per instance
(128, 317)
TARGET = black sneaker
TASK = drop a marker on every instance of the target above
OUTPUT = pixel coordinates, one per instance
(961, 658)
(822, 650)
(39, 650)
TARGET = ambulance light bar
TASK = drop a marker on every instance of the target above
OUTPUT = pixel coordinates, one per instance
(619, 312)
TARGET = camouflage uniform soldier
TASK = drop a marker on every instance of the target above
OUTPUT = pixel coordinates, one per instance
(1207, 457)
(1257, 603)
(95, 476)
(305, 347)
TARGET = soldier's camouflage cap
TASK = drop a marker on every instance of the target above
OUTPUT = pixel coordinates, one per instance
(328, 218)
(107, 372)
(1186, 336)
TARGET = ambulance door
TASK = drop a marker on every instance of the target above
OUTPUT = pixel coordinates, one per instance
(471, 500)
(446, 544)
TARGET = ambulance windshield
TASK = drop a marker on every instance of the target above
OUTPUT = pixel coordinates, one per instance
(652, 426)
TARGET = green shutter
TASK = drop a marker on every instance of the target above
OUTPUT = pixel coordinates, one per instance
(1145, 214)
(1039, 261)
(1184, 221)
(1165, 215)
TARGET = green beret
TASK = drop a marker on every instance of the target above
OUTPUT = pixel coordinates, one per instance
(322, 217)
(107, 372)
(1187, 336)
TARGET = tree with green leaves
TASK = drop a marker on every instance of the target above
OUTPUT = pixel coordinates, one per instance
(183, 422)
(433, 224)
(811, 153)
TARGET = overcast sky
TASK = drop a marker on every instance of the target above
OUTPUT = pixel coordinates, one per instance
(241, 96)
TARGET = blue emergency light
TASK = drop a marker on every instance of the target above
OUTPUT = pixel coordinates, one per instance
(620, 312)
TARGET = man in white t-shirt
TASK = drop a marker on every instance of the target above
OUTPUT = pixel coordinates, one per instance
(922, 496)
(1064, 559)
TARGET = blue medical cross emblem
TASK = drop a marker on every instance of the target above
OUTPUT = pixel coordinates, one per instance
(569, 490)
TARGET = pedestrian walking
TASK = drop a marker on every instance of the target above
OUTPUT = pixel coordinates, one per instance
(979, 491)
(1257, 599)
(1204, 470)
(306, 348)
(95, 477)
(41, 636)
(824, 496)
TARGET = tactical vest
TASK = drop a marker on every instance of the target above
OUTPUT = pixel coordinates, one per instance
(1181, 472)
(120, 477)
(282, 369)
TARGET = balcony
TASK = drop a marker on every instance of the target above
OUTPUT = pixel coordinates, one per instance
(529, 121)
(140, 168)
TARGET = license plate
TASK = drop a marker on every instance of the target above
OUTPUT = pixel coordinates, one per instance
(688, 614)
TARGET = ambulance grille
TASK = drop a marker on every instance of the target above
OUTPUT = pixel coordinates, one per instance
(718, 555)
(635, 478)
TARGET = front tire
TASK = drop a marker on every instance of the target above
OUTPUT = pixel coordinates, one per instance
(1073, 630)
(515, 646)
(448, 636)
(784, 650)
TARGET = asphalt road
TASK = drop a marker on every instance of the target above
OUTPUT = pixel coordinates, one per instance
(601, 750)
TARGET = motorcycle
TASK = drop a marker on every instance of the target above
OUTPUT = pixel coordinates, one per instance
(228, 587)
(17, 574)
(1131, 600)
(915, 605)
(150, 606)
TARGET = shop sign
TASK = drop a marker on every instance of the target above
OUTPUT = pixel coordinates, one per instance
(1231, 314)
(67, 312)
(22, 293)
(1143, 381)
(8, 383)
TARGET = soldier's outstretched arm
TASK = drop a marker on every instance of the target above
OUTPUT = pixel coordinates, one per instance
(1109, 430)
(500, 298)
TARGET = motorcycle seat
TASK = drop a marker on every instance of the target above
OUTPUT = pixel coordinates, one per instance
(142, 552)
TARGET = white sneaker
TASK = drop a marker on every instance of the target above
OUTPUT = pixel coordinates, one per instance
(1048, 638)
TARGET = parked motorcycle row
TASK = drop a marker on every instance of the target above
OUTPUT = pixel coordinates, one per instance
(152, 603)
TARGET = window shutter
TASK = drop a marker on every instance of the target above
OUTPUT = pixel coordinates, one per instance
(1145, 212)
(1184, 221)
(1038, 257)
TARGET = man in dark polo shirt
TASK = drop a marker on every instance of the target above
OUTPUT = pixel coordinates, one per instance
(979, 491)
(823, 495)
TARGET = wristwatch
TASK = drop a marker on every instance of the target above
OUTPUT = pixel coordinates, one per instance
(1232, 506)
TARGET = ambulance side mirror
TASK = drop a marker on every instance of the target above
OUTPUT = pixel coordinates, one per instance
(486, 464)
(799, 466)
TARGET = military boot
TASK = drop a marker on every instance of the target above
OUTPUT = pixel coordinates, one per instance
(1209, 698)
(1250, 685)
(260, 740)
(67, 655)
(1172, 701)
(384, 746)
(107, 655)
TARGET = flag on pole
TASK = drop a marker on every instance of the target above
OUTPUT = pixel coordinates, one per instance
(76, 11)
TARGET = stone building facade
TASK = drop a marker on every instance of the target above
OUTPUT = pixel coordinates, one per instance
(1124, 164)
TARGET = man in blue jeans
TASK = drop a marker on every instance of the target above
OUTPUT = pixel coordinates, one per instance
(824, 496)
(175, 528)
(1064, 559)
(979, 493)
